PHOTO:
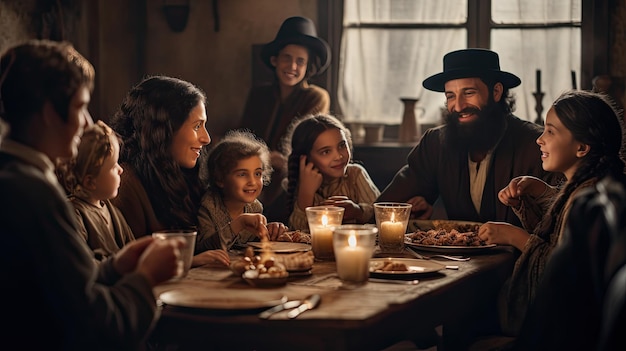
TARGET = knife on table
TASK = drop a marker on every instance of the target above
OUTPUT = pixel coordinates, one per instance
(283, 306)
(308, 304)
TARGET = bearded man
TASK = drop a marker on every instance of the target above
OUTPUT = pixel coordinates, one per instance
(478, 150)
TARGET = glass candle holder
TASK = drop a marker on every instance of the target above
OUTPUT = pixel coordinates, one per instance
(391, 219)
(186, 252)
(354, 246)
(322, 220)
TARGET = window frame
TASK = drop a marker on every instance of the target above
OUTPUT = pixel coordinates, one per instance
(595, 29)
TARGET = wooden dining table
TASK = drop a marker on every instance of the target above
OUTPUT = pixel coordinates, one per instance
(372, 316)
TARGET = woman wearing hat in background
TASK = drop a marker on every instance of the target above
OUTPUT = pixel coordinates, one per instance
(295, 55)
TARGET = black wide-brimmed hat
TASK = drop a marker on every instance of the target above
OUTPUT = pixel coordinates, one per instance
(299, 31)
(469, 63)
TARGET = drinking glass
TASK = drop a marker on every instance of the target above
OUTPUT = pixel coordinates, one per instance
(186, 252)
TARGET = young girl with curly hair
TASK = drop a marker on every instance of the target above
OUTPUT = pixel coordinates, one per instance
(238, 168)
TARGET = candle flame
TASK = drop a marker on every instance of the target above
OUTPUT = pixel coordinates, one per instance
(352, 239)
(324, 220)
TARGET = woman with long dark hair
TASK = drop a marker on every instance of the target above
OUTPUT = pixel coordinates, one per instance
(162, 125)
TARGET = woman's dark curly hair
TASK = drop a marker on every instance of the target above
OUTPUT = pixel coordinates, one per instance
(593, 119)
(299, 140)
(149, 117)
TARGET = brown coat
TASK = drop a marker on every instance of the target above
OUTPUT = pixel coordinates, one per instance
(268, 117)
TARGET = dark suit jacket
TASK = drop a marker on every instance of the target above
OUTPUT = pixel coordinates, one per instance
(434, 170)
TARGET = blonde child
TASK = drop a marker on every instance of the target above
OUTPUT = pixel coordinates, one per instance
(238, 167)
(321, 171)
(91, 178)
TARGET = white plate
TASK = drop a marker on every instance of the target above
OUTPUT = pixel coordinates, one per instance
(425, 225)
(222, 299)
(282, 246)
(451, 250)
(415, 267)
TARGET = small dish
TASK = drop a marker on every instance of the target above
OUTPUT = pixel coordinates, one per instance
(221, 300)
(414, 267)
(253, 278)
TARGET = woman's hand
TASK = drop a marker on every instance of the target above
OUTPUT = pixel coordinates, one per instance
(276, 229)
(211, 256)
(420, 208)
(254, 222)
(502, 233)
(519, 186)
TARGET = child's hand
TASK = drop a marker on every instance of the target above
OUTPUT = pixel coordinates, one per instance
(310, 176)
(276, 229)
(520, 186)
(211, 256)
(254, 222)
(352, 210)
(502, 233)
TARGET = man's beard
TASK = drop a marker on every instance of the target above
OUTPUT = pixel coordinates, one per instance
(480, 135)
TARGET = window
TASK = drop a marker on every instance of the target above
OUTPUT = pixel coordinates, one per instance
(390, 46)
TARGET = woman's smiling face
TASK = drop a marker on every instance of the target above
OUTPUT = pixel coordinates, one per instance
(190, 138)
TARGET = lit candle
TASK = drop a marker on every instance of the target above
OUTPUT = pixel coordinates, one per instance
(538, 73)
(392, 219)
(322, 239)
(391, 233)
(353, 261)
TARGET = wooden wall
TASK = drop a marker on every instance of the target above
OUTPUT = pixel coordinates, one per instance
(127, 40)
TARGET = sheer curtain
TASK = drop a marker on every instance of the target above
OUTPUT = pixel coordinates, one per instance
(390, 46)
(556, 52)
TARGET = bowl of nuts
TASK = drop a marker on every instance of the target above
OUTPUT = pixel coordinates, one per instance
(260, 270)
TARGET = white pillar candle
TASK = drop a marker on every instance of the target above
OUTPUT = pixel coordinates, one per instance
(322, 220)
(392, 233)
(322, 241)
(392, 219)
(353, 262)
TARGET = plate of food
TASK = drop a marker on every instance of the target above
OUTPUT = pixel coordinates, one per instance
(280, 246)
(428, 224)
(224, 300)
(295, 236)
(399, 268)
(446, 236)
